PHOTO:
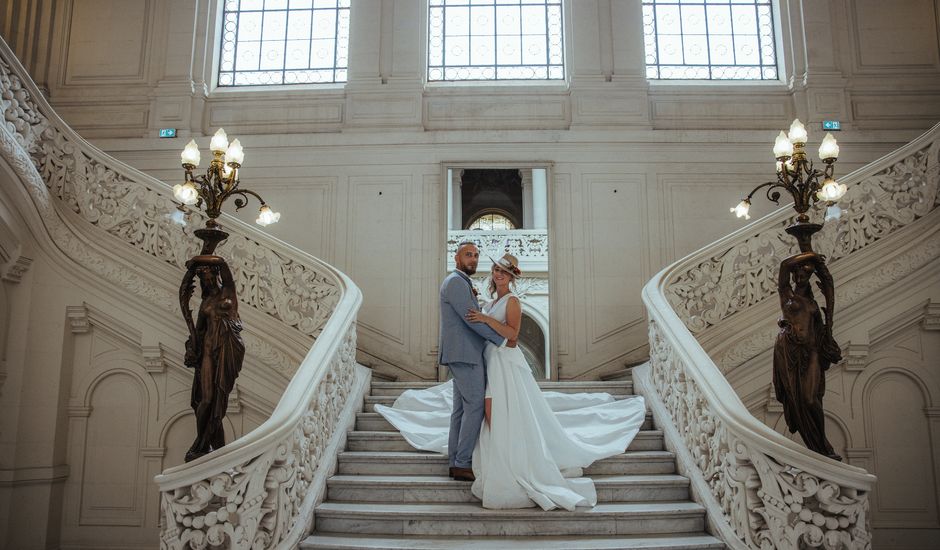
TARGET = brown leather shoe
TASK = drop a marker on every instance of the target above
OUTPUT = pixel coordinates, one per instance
(462, 474)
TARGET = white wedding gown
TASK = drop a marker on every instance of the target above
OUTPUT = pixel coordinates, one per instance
(539, 441)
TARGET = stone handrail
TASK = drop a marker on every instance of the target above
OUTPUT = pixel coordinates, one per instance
(764, 490)
(111, 222)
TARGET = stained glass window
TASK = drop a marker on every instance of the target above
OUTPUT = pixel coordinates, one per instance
(495, 40)
(267, 42)
(710, 39)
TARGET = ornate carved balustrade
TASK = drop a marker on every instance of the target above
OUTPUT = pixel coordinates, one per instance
(111, 222)
(529, 245)
(762, 489)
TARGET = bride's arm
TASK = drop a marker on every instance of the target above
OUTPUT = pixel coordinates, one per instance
(509, 329)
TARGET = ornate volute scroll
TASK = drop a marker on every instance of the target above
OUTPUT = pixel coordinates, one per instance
(132, 207)
(256, 491)
(771, 492)
(256, 503)
(767, 501)
(740, 271)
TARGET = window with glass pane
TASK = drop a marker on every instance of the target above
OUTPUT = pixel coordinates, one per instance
(492, 222)
(710, 39)
(495, 40)
(267, 42)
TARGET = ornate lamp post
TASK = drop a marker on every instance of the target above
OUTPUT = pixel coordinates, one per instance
(214, 348)
(805, 348)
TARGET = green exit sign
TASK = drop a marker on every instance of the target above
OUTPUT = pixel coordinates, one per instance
(167, 132)
(832, 125)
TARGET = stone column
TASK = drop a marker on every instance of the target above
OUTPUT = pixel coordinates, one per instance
(385, 76)
(171, 100)
(607, 65)
(526, 174)
(539, 199)
(455, 204)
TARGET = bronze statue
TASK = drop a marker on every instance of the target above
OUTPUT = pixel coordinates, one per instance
(214, 348)
(805, 348)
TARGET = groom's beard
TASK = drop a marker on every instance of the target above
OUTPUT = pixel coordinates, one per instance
(468, 269)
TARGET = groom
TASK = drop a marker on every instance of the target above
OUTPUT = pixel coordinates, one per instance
(461, 349)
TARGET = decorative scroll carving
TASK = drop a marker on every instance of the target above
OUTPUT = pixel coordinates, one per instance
(522, 243)
(768, 504)
(273, 281)
(744, 273)
(255, 504)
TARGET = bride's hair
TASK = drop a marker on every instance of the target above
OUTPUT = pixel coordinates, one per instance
(492, 287)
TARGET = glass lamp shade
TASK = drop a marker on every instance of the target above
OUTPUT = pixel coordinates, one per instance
(234, 153)
(190, 153)
(186, 193)
(782, 146)
(227, 171)
(266, 216)
(219, 141)
(828, 149)
(797, 132)
(741, 209)
(831, 190)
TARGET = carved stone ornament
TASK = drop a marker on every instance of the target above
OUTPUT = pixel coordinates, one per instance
(256, 504)
(96, 212)
(742, 272)
(522, 243)
(768, 504)
(79, 196)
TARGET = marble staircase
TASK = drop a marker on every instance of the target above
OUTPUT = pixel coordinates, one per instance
(387, 495)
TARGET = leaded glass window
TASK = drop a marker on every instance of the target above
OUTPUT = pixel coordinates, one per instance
(710, 39)
(267, 42)
(495, 40)
(492, 222)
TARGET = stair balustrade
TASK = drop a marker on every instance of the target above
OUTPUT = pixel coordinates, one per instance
(111, 223)
(763, 490)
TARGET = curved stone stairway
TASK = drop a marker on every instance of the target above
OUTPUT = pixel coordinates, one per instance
(387, 495)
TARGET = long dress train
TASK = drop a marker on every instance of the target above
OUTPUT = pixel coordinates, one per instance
(539, 441)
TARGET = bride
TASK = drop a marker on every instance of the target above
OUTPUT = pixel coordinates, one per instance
(533, 444)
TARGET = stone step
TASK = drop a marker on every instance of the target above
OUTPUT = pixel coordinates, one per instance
(374, 422)
(621, 387)
(436, 489)
(472, 520)
(389, 400)
(691, 541)
(648, 440)
(402, 463)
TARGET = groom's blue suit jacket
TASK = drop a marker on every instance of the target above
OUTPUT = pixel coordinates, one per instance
(462, 341)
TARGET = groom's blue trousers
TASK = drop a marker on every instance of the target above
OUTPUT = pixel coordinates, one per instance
(467, 418)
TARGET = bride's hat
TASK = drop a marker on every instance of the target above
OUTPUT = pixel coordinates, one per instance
(507, 263)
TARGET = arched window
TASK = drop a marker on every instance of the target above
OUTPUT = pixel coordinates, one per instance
(267, 42)
(710, 39)
(492, 222)
(495, 40)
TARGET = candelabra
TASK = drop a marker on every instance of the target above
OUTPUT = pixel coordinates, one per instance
(214, 349)
(804, 348)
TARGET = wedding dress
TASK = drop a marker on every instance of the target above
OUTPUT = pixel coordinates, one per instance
(538, 442)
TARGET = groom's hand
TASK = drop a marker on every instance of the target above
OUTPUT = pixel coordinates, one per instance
(511, 343)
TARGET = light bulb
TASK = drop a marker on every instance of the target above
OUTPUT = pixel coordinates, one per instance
(831, 190)
(186, 193)
(828, 149)
(266, 216)
(190, 153)
(234, 153)
(782, 146)
(741, 209)
(219, 142)
(797, 132)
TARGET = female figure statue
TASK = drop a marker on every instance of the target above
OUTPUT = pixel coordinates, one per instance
(805, 349)
(214, 348)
